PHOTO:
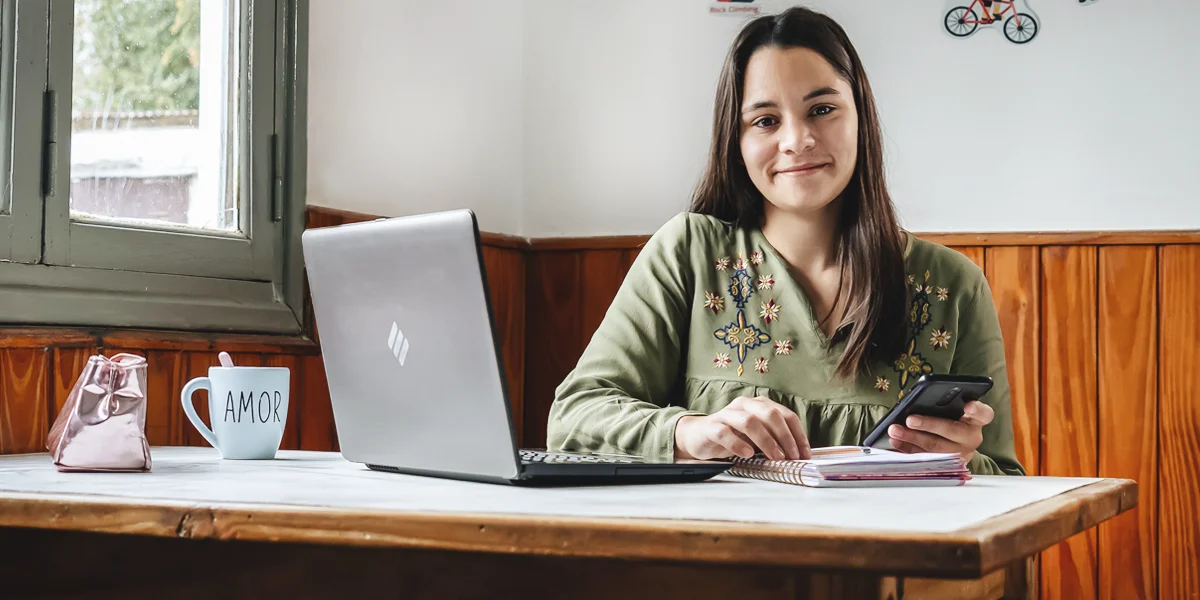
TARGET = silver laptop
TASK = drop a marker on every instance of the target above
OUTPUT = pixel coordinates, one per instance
(414, 368)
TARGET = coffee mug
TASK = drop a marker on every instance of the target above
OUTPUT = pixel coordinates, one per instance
(247, 407)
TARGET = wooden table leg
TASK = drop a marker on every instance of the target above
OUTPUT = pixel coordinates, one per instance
(1014, 582)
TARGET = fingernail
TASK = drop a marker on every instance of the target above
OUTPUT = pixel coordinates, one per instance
(914, 421)
(895, 431)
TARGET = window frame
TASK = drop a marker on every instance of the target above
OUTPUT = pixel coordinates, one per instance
(102, 274)
(22, 74)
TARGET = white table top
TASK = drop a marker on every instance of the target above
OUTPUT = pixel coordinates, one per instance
(325, 479)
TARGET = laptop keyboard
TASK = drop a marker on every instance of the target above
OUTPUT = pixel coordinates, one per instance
(534, 456)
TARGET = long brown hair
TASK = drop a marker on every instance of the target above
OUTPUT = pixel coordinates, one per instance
(870, 243)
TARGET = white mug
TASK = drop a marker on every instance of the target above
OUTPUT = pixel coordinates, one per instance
(247, 407)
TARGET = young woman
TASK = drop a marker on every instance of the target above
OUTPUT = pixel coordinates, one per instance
(788, 310)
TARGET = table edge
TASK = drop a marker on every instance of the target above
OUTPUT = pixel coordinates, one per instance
(1027, 530)
(966, 553)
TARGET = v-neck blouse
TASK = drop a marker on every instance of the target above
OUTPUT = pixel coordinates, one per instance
(708, 312)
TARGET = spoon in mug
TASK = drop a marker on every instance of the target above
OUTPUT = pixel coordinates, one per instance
(225, 359)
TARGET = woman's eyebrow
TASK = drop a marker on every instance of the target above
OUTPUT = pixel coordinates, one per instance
(759, 105)
(817, 93)
(825, 91)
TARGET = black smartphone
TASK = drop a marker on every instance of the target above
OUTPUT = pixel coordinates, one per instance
(932, 395)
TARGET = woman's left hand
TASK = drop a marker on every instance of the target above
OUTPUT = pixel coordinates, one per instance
(935, 434)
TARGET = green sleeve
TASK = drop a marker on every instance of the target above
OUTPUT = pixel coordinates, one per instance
(617, 399)
(980, 351)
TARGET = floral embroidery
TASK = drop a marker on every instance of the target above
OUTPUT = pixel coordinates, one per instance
(940, 339)
(722, 361)
(770, 311)
(741, 288)
(714, 302)
(741, 336)
(918, 313)
(783, 347)
(943, 294)
(911, 365)
(760, 365)
(765, 282)
(922, 287)
(756, 258)
(739, 264)
(882, 384)
(723, 264)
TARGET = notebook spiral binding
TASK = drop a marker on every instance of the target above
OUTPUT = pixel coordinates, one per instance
(768, 470)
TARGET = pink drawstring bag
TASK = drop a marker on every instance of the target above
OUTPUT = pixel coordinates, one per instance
(102, 427)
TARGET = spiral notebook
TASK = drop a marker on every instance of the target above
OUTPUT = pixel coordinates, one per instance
(856, 466)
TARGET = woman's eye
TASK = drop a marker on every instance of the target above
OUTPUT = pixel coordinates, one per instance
(822, 110)
(765, 122)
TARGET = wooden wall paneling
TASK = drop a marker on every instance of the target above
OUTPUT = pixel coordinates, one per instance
(1063, 238)
(291, 430)
(45, 337)
(506, 283)
(553, 340)
(317, 428)
(629, 258)
(165, 421)
(317, 216)
(142, 340)
(1179, 422)
(977, 254)
(602, 272)
(24, 399)
(244, 359)
(1128, 440)
(1014, 276)
(1068, 412)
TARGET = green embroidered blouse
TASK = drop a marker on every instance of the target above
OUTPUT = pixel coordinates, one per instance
(708, 312)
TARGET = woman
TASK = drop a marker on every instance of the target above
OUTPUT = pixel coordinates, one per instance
(788, 310)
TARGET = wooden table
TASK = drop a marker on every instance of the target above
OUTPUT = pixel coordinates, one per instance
(313, 525)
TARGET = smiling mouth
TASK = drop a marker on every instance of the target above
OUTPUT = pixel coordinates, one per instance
(802, 170)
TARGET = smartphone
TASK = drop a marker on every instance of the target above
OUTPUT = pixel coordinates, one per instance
(933, 395)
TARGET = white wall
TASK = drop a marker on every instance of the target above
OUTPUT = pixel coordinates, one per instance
(593, 118)
(1093, 125)
(416, 107)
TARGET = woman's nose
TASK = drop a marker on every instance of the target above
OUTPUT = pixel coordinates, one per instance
(795, 136)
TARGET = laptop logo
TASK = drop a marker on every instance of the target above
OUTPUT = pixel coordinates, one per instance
(398, 343)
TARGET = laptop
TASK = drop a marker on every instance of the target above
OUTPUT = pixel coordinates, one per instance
(414, 368)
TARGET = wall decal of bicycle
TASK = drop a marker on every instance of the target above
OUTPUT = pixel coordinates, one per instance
(1019, 24)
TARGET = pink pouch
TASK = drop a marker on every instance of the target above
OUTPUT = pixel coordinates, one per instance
(102, 427)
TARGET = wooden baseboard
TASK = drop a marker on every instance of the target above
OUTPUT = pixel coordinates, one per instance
(321, 216)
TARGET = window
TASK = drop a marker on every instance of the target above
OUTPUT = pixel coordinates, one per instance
(152, 170)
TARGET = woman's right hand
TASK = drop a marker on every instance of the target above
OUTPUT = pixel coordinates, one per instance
(746, 426)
